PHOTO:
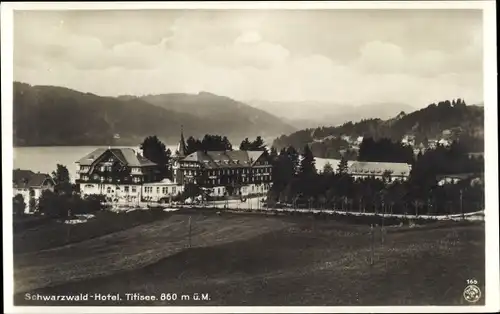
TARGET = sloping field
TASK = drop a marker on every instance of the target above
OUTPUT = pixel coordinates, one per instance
(256, 260)
(132, 248)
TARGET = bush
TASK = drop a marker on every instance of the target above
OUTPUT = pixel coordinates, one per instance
(18, 205)
(61, 206)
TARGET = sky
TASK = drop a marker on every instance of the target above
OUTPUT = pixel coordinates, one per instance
(356, 57)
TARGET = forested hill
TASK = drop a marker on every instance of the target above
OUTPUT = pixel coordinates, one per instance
(465, 121)
(51, 115)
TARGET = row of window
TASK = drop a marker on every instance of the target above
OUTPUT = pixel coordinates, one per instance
(243, 180)
(109, 189)
(109, 168)
(126, 189)
(163, 189)
(230, 171)
(107, 179)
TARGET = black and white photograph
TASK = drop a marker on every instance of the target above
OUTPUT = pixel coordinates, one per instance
(243, 156)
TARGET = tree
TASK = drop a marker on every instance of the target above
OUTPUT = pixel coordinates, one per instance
(384, 150)
(342, 167)
(62, 181)
(87, 205)
(53, 205)
(245, 144)
(18, 204)
(387, 176)
(257, 144)
(191, 190)
(192, 145)
(154, 150)
(307, 163)
(327, 168)
(226, 144)
(417, 203)
(293, 157)
(273, 154)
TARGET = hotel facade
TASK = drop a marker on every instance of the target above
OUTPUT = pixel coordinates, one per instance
(123, 175)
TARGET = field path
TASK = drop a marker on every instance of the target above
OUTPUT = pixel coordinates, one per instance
(133, 248)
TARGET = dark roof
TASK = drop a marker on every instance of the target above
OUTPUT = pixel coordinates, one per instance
(225, 159)
(23, 179)
(127, 156)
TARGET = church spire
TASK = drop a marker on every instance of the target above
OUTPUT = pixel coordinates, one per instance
(181, 148)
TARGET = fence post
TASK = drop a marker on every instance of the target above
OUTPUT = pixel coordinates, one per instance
(372, 240)
(382, 227)
(68, 235)
(461, 204)
(189, 234)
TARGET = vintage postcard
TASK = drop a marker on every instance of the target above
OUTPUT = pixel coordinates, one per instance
(250, 157)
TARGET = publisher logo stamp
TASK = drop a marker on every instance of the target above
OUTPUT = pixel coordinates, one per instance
(472, 293)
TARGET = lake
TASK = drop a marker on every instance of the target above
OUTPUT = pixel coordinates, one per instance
(45, 159)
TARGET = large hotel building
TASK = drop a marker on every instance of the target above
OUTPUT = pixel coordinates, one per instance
(124, 175)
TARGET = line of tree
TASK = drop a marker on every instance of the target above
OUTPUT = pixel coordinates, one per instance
(256, 145)
(208, 143)
(295, 182)
(384, 150)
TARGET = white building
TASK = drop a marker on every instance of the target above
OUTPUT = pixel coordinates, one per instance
(30, 186)
(121, 175)
(444, 142)
(364, 169)
(432, 143)
(408, 140)
(162, 191)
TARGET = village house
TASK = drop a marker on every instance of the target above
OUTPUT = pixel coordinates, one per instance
(408, 140)
(389, 170)
(346, 138)
(30, 186)
(444, 142)
(455, 178)
(446, 133)
(432, 143)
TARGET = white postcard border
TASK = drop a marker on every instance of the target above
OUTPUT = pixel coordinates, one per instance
(491, 148)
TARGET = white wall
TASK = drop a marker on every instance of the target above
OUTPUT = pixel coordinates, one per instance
(255, 189)
(26, 196)
(218, 191)
(155, 192)
(113, 191)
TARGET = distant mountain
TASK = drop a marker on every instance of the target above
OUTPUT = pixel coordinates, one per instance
(234, 116)
(51, 115)
(310, 114)
(462, 121)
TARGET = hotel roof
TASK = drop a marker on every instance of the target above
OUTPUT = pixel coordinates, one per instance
(127, 156)
(225, 159)
(378, 168)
